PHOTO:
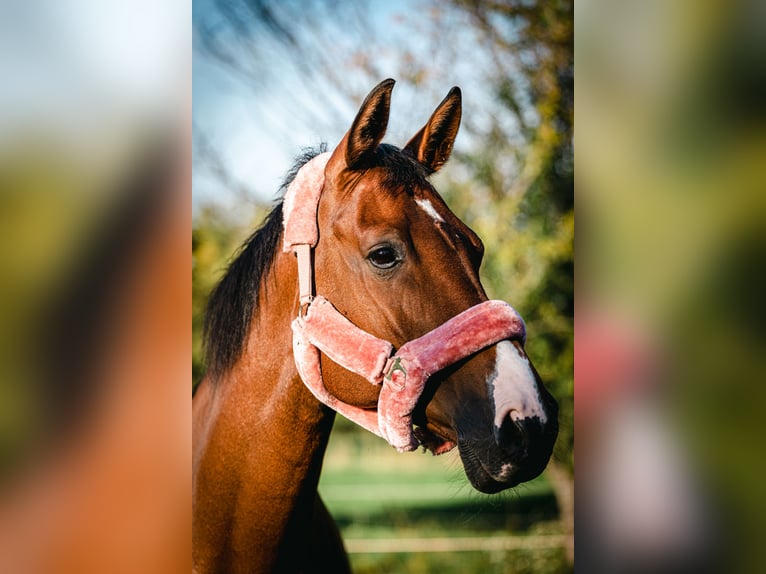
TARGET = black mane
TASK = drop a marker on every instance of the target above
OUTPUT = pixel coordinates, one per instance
(232, 303)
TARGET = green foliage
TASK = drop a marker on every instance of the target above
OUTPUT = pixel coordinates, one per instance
(215, 238)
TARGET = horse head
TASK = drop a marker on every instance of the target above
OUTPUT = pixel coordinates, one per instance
(393, 259)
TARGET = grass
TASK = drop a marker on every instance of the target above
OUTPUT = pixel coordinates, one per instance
(377, 495)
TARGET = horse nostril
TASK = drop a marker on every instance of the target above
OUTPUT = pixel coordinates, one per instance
(511, 430)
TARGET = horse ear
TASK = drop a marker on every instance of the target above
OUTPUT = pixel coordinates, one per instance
(369, 125)
(432, 145)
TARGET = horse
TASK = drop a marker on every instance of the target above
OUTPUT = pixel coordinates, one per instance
(359, 294)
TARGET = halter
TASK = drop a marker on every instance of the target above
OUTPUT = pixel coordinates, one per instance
(403, 375)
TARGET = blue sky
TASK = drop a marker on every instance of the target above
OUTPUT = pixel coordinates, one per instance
(251, 128)
(257, 134)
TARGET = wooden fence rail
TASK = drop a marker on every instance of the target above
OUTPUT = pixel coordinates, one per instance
(455, 544)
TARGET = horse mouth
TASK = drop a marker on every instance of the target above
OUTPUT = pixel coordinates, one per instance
(490, 472)
(433, 440)
(483, 476)
(488, 469)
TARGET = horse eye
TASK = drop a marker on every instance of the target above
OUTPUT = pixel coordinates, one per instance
(383, 257)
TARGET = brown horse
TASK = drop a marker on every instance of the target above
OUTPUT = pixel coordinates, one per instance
(397, 264)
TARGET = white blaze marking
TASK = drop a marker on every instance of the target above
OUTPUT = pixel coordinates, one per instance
(513, 386)
(428, 207)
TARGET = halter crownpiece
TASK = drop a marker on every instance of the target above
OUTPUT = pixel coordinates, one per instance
(402, 376)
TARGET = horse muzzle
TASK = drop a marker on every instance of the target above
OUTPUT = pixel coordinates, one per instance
(510, 439)
(521, 456)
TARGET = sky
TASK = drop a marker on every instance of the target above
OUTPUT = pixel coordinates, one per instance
(257, 135)
(252, 132)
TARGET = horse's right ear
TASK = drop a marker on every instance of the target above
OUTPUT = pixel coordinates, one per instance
(368, 129)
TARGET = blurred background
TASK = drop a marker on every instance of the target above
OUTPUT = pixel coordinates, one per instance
(95, 166)
(271, 78)
(670, 282)
(95, 210)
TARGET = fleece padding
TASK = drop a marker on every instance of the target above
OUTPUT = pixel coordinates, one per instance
(405, 374)
(299, 208)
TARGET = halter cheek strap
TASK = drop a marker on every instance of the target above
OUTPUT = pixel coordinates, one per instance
(299, 209)
(402, 376)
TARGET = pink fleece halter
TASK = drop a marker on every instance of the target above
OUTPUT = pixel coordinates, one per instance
(403, 376)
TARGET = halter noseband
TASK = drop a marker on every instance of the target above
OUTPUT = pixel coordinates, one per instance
(403, 375)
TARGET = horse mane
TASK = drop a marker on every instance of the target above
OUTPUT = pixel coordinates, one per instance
(232, 303)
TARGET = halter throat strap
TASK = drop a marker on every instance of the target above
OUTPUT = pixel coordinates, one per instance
(403, 375)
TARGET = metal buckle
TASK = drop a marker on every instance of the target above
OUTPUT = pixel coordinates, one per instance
(303, 307)
(395, 364)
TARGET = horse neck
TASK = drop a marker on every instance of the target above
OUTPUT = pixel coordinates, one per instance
(259, 442)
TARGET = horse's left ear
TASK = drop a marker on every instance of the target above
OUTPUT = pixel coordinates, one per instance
(432, 145)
